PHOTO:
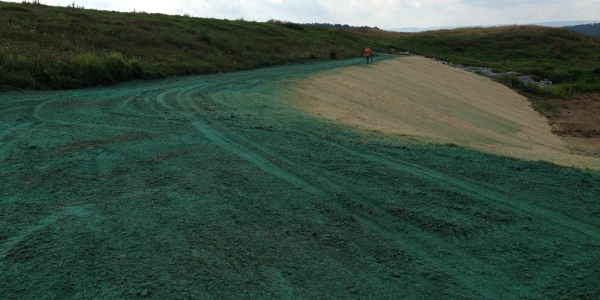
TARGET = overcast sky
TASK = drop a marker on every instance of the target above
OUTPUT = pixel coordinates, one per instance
(381, 13)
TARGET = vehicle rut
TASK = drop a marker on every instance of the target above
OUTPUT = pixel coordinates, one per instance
(215, 186)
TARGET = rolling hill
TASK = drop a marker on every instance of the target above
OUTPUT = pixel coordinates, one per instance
(589, 29)
(44, 47)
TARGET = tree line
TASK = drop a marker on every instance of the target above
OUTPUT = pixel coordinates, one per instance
(589, 29)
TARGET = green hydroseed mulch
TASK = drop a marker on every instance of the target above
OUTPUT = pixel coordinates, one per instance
(207, 187)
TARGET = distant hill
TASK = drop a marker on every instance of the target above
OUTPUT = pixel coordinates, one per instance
(328, 25)
(589, 29)
(546, 24)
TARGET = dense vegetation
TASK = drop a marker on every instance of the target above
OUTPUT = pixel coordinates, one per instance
(58, 47)
(329, 25)
(45, 47)
(589, 29)
(569, 59)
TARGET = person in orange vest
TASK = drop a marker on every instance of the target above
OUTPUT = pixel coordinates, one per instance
(369, 55)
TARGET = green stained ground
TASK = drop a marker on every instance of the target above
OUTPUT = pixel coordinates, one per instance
(207, 187)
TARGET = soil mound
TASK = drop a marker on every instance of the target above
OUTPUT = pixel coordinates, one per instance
(425, 100)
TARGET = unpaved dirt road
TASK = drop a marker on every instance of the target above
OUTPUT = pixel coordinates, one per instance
(211, 187)
(426, 100)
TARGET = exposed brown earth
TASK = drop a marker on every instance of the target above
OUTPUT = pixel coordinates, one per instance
(579, 124)
(418, 98)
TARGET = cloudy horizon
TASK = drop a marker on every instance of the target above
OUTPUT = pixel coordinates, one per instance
(375, 13)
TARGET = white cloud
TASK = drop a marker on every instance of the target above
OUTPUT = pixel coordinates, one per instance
(380, 13)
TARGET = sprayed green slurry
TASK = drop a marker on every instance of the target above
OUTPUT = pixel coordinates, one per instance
(485, 193)
(254, 158)
(6, 132)
(208, 187)
(24, 233)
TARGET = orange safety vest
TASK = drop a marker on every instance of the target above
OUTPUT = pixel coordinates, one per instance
(368, 52)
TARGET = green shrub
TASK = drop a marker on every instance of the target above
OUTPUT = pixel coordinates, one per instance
(116, 67)
(510, 81)
(287, 24)
(333, 54)
(90, 69)
(204, 37)
(137, 69)
(85, 69)
(228, 45)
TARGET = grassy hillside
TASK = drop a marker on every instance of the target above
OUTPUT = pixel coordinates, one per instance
(57, 47)
(569, 59)
(45, 47)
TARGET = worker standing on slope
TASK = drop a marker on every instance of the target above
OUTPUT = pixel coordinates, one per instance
(369, 55)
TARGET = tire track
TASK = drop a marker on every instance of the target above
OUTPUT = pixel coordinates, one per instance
(96, 97)
(198, 118)
(407, 231)
(12, 129)
(228, 145)
(26, 232)
(5, 146)
(477, 192)
(257, 160)
(406, 236)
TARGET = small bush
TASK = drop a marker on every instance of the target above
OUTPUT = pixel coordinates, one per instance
(89, 69)
(287, 24)
(227, 44)
(116, 67)
(136, 69)
(294, 26)
(171, 39)
(333, 54)
(34, 2)
(204, 37)
(562, 75)
(510, 81)
(545, 105)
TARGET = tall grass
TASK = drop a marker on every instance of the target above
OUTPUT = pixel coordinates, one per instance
(46, 47)
(570, 89)
(57, 47)
(78, 71)
(543, 98)
(561, 90)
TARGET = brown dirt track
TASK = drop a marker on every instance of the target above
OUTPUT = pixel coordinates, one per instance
(426, 100)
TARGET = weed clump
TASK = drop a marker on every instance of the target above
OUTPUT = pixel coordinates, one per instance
(79, 71)
(204, 37)
(287, 24)
(106, 47)
(333, 54)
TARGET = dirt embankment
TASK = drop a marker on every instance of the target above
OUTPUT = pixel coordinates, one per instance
(425, 100)
(579, 124)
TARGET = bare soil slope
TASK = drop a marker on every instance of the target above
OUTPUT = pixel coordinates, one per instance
(420, 98)
(579, 124)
